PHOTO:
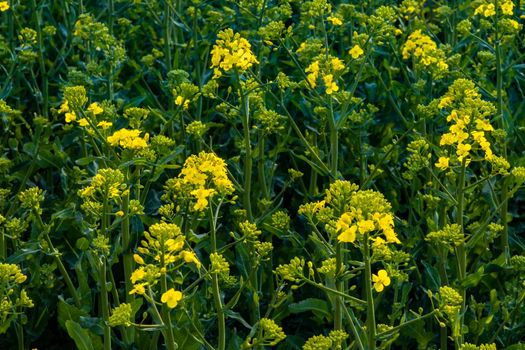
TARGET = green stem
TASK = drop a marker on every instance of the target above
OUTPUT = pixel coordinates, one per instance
(45, 86)
(338, 314)
(166, 317)
(104, 303)
(3, 247)
(215, 287)
(461, 253)
(248, 156)
(336, 292)
(104, 298)
(334, 142)
(370, 310)
(501, 123)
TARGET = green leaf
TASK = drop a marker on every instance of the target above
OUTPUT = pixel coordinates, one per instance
(68, 312)
(310, 304)
(79, 335)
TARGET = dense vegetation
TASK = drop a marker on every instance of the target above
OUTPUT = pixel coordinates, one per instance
(262, 174)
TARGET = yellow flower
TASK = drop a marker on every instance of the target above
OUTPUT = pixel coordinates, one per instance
(104, 124)
(330, 85)
(381, 280)
(463, 150)
(138, 289)
(348, 235)
(128, 139)
(335, 20)
(70, 117)
(356, 52)
(119, 213)
(181, 101)
(190, 257)
(442, 163)
(64, 107)
(95, 108)
(507, 8)
(365, 226)
(171, 297)
(313, 73)
(201, 194)
(138, 274)
(4, 6)
(231, 51)
(83, 122)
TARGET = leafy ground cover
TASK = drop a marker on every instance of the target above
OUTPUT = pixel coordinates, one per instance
(260, 174)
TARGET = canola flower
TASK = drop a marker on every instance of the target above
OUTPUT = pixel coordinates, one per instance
(356, 52)
(4, 6)
(171, 298)
(470, 126)
(231, 51)
(129, 139)
(425, 52)
(202, 177)
(489, 9)
(381, 280)
(327, 69)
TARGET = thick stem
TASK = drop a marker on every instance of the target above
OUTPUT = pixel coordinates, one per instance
(334, 142)
(370, 310)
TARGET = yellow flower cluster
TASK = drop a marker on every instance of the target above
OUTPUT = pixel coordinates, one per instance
(231, 51)
(425, 52)
(107, 182)
(353, 222)
(489, 9)
(129, 139)
(329, 69)
(163, 246)
(469, 122)
(203, 176)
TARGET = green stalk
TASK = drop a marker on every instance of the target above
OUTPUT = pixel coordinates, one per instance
(370, 310)
(248, 149)
(334, 142)
(20, 334)
(215, 288)
(129, 332)
(104, 303)
(45, 86)
(461, 253)
(167, 36)
(3, 247)
(261, 165)
(338, 313)
(501, 123)
(168, 334)
(104, 298)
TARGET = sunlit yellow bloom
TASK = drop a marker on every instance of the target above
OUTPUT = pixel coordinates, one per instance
(70, 117)
(138, 289)
(365, 226)
(4, 6)
(104, 124)
(201, 194)
(313, 73)
(330, 85)
(442, 163)
(130, 139)
(335, 20)
(171, 297)
(181, 101)
(507, 8)
(138, 274)
(463, 150)
(190, 257)
(381, 280)
(83, 122)
(356, 52)
(95, 108)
